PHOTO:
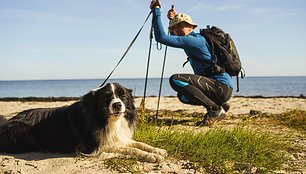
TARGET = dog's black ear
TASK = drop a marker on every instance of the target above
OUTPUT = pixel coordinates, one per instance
(130, 92)
(2, 119)
(88, 101)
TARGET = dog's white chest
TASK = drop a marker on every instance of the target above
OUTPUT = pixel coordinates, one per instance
(118, 133)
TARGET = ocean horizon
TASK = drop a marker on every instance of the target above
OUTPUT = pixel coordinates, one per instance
(267, 86)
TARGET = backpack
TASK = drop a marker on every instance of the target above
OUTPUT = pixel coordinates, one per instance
(224, 51)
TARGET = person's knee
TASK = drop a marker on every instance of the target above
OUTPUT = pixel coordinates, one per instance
(172, 78)
(171, 81)
(176, 82)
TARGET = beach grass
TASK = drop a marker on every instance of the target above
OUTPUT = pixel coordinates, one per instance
(123, 165)
(294, 119)
(219, 150)
(239, 149)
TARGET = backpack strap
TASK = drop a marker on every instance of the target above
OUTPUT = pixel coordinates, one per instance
(237, 80)
(242, 75)
(197, 59)
(188, 59)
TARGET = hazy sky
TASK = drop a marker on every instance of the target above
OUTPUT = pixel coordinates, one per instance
(73, 39)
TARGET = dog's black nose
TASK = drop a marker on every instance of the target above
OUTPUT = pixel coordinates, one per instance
(117, 106)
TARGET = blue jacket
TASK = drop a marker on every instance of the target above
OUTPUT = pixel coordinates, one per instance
(193, 44)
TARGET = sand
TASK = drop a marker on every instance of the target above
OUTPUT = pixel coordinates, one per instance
(59, 163)
(239, 105)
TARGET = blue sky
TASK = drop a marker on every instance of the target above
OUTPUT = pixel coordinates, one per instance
(77, 39)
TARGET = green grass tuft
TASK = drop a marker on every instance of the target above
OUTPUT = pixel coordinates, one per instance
(218, 149)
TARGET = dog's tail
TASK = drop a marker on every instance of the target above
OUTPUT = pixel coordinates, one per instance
(2, 120)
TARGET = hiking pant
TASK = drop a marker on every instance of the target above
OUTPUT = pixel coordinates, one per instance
(200, 90)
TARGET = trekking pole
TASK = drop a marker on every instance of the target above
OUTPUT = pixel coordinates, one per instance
(162, 74)
(142, 104)
(161, 81)
(148, 61)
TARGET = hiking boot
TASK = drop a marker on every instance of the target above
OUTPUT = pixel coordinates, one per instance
(203, 122)
(216, 116)
(226, 106)
(211, 117)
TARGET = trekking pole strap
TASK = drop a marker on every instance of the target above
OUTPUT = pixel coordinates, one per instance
(127, 50)
(237, 81)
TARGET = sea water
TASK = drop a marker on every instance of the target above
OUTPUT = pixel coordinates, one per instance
(249, 86)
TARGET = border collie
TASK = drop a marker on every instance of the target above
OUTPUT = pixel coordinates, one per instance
(103, 121)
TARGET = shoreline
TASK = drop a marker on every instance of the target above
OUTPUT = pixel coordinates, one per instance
(239, 105)
(50, 99)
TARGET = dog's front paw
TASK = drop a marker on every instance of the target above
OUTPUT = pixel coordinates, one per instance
(161, 152)
(159, 158)
(153, 158)
(150, 158)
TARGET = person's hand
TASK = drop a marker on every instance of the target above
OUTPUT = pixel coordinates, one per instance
(154, 4)
(171, 13)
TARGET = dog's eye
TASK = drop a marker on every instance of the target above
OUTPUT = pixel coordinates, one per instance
(124, 97)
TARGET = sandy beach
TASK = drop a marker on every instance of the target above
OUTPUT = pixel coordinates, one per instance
(239, 105)
(59, 163)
